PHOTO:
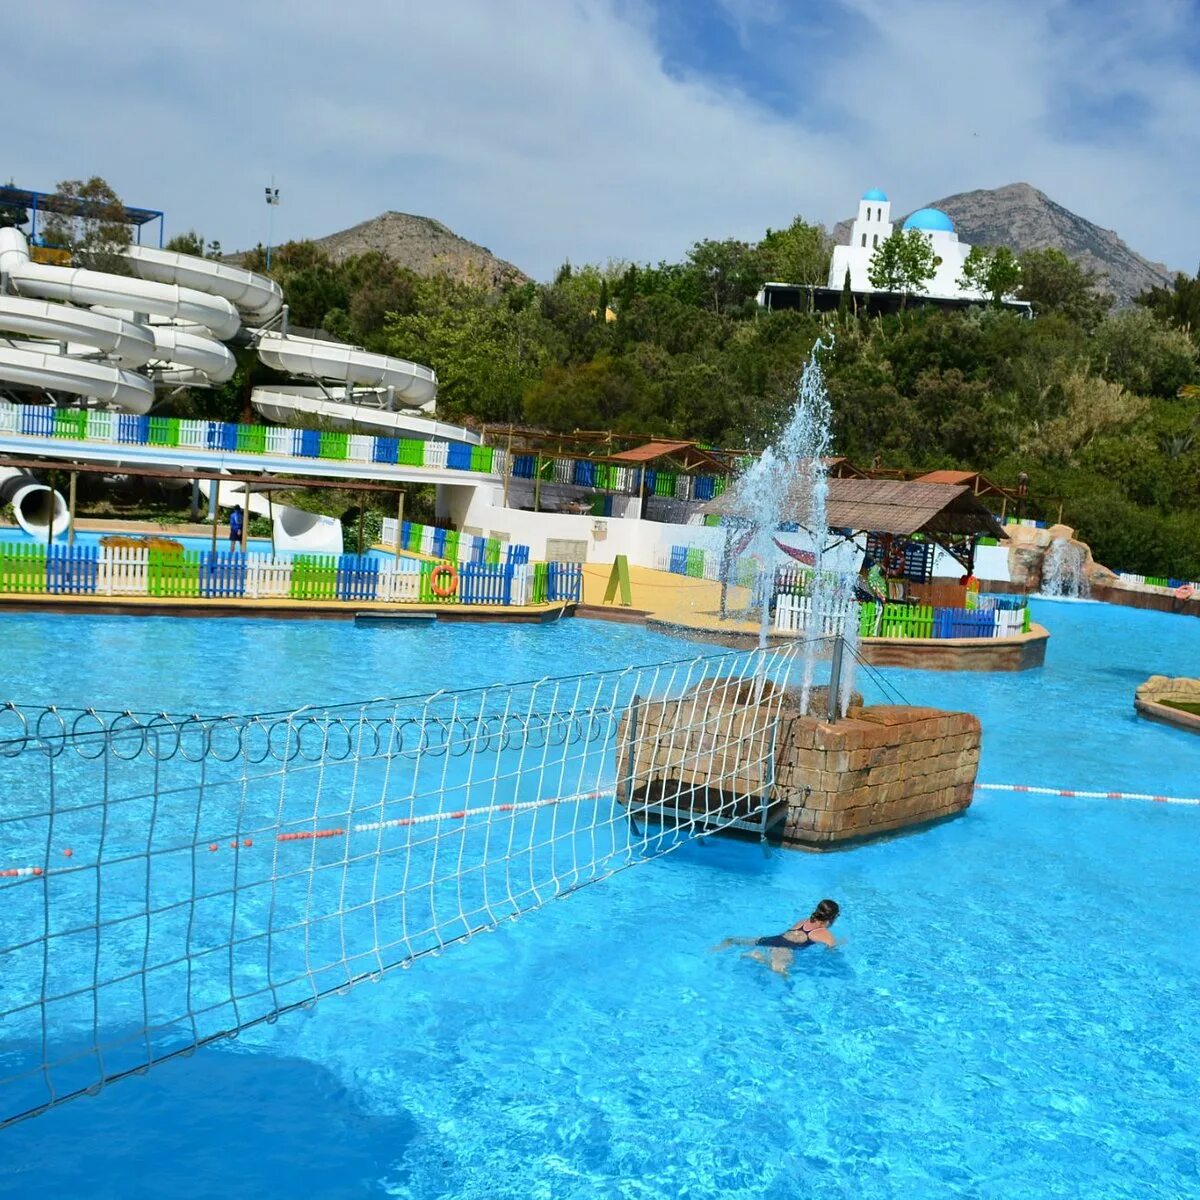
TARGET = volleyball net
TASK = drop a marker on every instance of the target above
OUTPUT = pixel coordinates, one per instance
(169, 880)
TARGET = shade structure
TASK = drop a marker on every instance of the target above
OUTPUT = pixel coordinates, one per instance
(880, 506)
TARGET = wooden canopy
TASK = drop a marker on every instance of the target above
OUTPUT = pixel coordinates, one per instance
(883, 506)
(684, 454)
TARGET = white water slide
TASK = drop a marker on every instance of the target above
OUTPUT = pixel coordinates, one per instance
(175, 311)
(114, 338)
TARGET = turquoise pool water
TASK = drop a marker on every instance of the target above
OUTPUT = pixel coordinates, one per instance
(1015, 1013)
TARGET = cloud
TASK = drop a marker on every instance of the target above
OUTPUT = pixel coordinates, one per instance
(555, 129)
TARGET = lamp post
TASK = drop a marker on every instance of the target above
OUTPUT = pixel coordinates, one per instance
(272, 198)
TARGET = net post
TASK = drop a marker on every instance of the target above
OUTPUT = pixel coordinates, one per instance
(835, 678)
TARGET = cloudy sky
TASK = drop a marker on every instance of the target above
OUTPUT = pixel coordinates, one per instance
(597, 129)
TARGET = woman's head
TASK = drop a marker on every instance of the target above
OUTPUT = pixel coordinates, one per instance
(826, 911)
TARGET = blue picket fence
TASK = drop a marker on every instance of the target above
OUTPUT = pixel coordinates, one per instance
(357, 578)
(564, 581)
(222, 573)
(962, 623)
(479, 583)
(37, 420)
(72, 570)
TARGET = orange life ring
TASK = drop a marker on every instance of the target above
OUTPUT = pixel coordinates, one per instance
(1185, 592)
(443, 580)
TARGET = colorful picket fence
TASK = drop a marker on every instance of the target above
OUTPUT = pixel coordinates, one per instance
(107, 571)
(435, 542)
(44, 421)
(557, 583)
(1167, 582)
(896, 620)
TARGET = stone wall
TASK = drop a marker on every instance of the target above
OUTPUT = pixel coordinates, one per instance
(880, 770)
(1023, 652)
(714, 754)
(1154, 698)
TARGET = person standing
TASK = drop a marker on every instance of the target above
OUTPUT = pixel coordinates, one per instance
(236, 521)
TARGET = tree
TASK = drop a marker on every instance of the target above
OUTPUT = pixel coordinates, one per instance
(846, 299)
(13, 216)
(798, 254)
(1134, 349)
(187, 243)
(89, 220)
(904, 262)
(1178, 305)
(729, 272)
(994, 271)
(1053, 283)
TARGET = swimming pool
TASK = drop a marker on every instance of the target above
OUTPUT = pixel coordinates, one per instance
(1015, 1012)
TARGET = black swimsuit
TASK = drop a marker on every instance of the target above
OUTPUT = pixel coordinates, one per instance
(781, 941)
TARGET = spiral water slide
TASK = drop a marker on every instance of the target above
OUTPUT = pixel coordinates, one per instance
(113, 338)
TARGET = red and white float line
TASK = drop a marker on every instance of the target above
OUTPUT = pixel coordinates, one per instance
(306, 835)
(1045, 791)
(461, 814)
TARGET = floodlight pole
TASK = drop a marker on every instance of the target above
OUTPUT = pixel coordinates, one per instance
(272, 198)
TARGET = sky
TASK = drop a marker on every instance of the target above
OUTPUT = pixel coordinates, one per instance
(553, 130)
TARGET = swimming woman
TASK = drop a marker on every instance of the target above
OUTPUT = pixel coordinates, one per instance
(781, 947)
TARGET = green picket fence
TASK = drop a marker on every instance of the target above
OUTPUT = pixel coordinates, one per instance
(695, 562)
(314, 577)
(410, 452)
(171, 573)
(22, 568)
(481, 458)
(334, 444)
(252, 439)
(541, 583)
(906, 621)
(162, 431)
(70, 423)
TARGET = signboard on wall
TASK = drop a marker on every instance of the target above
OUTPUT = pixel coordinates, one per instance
(566, 550)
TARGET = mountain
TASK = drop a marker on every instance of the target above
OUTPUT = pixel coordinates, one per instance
(422, 245)
(1023, 218)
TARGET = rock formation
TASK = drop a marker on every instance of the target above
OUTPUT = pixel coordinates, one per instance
(1027, 550)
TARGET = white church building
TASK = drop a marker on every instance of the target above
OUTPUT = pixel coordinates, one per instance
(874, 224)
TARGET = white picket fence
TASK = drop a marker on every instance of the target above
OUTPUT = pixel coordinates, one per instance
(793, 614)
(122, 572)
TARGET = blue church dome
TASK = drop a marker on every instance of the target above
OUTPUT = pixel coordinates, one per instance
(874, 194)
(933, 220)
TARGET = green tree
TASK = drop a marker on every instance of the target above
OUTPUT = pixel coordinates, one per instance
(1134, 349)
(1178, 305)
(1053, 283)
(88, 219)
(903, 262)
(994, 271)
(846, 299)
(13, 216)
(728, 273)
(798, 254)
(187, 243)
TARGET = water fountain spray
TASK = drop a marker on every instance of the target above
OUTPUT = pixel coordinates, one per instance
(790, 482)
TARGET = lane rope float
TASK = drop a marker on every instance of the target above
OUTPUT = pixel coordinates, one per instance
(1045, 791)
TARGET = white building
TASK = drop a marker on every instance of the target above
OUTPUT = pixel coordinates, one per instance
(874, 224)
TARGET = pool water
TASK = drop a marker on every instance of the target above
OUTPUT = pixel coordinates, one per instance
(1015, 1011)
